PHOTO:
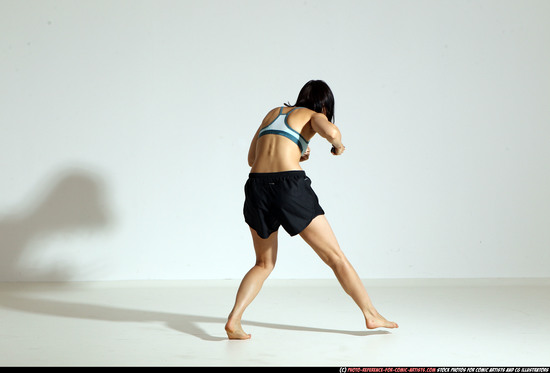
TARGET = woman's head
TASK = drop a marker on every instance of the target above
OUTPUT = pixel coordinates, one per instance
(317, 96)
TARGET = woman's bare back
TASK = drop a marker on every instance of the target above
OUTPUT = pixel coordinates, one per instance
(275, 153)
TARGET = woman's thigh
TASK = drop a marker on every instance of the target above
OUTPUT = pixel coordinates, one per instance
(319, 235)
(265, 248)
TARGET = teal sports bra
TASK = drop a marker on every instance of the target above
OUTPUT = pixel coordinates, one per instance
(279, 126)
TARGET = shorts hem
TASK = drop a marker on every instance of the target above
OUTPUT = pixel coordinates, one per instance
(318, 213)
(260, 233)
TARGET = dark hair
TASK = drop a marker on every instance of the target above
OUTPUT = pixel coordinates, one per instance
(316, 95)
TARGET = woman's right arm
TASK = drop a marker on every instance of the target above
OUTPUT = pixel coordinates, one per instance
(328, 131)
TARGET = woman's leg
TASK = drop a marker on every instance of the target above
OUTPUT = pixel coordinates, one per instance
(266, 255)
(320, 237)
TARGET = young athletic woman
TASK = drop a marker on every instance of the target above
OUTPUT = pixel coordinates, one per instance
(278, 192)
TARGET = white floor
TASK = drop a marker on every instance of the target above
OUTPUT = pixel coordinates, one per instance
(293, 323)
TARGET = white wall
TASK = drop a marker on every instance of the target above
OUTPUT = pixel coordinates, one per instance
(125, 127)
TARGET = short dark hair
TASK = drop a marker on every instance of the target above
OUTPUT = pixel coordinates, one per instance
(316, 95)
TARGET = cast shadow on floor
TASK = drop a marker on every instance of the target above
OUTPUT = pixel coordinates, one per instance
(184, 323)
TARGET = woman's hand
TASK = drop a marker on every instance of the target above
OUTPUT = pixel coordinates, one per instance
(337, 150)
(305, 156)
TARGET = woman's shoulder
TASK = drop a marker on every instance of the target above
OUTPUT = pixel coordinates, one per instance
(287, 108)
(299, 111)
(302, 112)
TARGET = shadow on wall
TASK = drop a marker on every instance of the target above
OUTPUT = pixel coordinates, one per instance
(74, 203)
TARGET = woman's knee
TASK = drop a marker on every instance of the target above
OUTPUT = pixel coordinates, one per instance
(267, 265)
(336, 261)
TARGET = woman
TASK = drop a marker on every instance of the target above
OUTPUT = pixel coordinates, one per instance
(279, 193)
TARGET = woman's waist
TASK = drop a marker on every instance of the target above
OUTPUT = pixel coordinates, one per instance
(275, 164)
(276, 174)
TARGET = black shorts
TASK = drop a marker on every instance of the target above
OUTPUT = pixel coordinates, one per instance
(280, 198)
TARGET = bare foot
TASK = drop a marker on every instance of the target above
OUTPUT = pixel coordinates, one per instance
(377, 321)
(234, 330)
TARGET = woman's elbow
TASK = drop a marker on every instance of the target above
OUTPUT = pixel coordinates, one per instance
(332, 134)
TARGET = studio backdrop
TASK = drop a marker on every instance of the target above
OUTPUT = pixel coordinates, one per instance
(125, 127)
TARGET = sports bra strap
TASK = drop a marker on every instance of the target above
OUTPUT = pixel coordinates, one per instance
(279, 126)
(290, 111)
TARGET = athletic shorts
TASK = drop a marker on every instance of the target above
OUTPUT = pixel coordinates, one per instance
(280, 198)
